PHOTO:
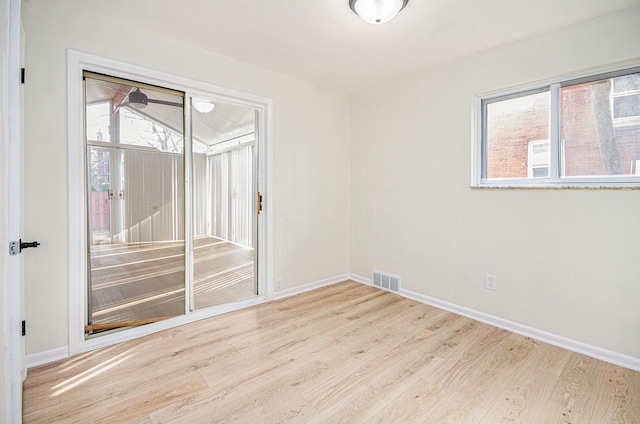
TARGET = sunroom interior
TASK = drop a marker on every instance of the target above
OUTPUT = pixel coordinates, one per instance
(135, 177)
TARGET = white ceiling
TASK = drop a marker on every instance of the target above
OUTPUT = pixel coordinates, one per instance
(322, 41)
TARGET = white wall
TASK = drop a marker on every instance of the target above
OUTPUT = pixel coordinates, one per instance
(310, 164)
(566, 261)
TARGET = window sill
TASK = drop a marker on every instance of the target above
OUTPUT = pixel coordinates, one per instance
(556, 187)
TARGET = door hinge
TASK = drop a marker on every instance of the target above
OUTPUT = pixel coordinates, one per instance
(22, 72)
(259, 203)
(24, 327)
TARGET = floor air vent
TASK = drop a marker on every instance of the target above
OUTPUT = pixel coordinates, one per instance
(386, 281)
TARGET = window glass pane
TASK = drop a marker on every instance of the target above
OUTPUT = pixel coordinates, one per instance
(511, 125)
(198, 146)
(626, 83)
(100, 194)
(139, 116)
(140, 130)
(538, 159)
(627, 106)
(541, 172)
(98, 122)
(594, 142)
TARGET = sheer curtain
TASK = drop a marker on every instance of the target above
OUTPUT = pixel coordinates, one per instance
(201, 197)
(152, 196)
(232, 195)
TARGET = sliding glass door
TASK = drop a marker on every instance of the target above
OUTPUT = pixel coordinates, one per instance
(154, 253)
(135, 210)
(224, 202)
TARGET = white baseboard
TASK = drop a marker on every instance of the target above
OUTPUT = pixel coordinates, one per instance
(310, 286)
(360, 279)
(524, 330)
(46, 357)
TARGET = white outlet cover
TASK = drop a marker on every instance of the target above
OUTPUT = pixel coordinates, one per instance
(490, 282)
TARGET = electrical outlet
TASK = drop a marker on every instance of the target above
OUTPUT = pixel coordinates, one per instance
(490, 282)
(279, 284)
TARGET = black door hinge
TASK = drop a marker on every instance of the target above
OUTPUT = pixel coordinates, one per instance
(24, 328)
(22, 71)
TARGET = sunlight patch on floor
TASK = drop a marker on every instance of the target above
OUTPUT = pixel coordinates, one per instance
(90, 373)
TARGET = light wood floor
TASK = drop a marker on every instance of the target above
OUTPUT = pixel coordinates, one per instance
(345, 353)
(131, 282)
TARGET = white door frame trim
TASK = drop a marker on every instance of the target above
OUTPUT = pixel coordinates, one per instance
(11, 282)
(80, 61)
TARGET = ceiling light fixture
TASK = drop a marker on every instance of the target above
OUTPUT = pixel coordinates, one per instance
(138, 99)
(377, 11)
(203, 106)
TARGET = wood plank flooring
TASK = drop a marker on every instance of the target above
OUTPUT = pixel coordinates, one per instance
(346, 353)
(141, 281)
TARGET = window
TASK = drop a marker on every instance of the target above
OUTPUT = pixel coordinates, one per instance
(538, 159)
(625, 99)
(98, 121)
(583, 131)
(511, 125)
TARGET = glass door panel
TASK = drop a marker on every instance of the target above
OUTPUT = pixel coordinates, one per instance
(100, 195)
(224, 159)
(135, 211)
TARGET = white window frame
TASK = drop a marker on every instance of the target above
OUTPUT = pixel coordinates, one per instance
(79, 62)
(556, 159)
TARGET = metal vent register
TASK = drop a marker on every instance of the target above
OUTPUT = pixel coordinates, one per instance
(386, 281)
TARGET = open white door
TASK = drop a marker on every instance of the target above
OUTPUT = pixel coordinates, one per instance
(13, 352)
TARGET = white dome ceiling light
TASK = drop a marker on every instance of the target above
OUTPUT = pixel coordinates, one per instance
(377, 11)
(203, 106)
